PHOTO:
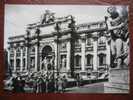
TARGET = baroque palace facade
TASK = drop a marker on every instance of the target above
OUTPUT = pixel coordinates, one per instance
(63, 44)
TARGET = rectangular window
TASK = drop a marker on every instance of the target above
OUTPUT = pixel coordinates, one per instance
(102, 60)
(78, 60)
(89, 60)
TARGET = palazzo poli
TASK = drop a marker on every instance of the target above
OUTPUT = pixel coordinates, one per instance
(61, 45)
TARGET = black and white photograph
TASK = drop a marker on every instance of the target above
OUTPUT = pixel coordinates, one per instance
(66, 49)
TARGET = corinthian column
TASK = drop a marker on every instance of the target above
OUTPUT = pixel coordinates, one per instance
(27, 55)
(15, 58)
(95, 45)
(9, 50)
(36, 58)
(68, 55)
(21, 60)
(37, 52)
(107, 52)
(83, 54)
(26, 58)
(55, 46)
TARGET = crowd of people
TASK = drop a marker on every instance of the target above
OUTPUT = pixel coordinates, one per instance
(18, 84)
(39, 84)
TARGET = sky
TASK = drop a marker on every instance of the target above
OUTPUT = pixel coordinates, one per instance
(18, 16)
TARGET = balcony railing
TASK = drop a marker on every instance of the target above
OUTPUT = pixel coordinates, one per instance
(101, 47)
(89, 48)
(77, 49)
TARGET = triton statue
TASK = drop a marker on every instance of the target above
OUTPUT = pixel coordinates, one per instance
(118, 28)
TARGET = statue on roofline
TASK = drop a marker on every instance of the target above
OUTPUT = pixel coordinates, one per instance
(47, 17)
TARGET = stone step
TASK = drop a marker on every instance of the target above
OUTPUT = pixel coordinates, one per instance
(115, 88)
(118, 81)
(119, 76)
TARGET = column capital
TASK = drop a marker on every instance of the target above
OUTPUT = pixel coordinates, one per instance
(68, 39)
(14, 45)
(36, 43)
(21, 60)
(95, 36)
(27, 44)
(56, 39)
(21, 45)
(83, 37)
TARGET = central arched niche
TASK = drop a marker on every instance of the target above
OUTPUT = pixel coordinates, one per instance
(47, 55)
(46, 51)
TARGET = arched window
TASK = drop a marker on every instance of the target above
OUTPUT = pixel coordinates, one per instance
(78, 60)
(89, 59)
(18, 62)
(102, 59)
(46, 51)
